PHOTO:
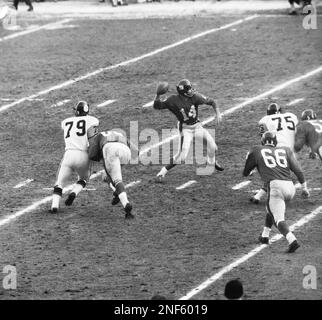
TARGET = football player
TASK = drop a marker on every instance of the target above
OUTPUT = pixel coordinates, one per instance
(112, 147)
(76, 154)
(274, 165)
(284, 125)
(184, 105)
(309, 132)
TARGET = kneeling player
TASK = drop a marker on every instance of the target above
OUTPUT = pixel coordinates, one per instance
(111, 146)
(274, 165)
(309, 132)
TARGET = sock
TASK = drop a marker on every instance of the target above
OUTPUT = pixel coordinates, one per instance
(290, 237)
(77, 188)
(266, 231)
(163, 172)
(260, 194)
(123, 198)
(55, 202)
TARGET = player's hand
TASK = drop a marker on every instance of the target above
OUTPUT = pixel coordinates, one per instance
(305, 193)
(312, 155)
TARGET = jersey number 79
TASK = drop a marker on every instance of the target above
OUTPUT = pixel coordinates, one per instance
(80, 125)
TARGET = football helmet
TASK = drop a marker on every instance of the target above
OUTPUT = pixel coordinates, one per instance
(269, 139)
(81, 109)
(308, 114)
(273, 108)
(184, 87)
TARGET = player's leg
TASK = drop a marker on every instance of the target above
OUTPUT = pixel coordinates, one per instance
(185, 140)
(269, 221)
(114, 155)
(204, 135)
(279, 192)
(81, 167)
(64, 172)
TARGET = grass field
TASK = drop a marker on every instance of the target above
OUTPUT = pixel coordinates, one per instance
(179, 238)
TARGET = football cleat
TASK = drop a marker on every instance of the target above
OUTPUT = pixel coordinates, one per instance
(128, 211)
(53, 210)
(69, 201)
(254, 200)
(218, 167)
(159, 178)
(115, 199)
(293, 246)
(263, 240)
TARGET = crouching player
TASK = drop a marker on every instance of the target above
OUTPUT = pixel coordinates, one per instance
(274, 165)
(309, 132)
(112, 147)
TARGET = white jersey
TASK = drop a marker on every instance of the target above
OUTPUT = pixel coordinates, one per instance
(284, 125)
(75, 131)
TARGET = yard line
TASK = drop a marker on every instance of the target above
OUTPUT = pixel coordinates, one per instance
(247, 256)
(245, 103)
(295, 101)
(231, 110)
(187, 184)
(85, 189)
(31, 30)
(125, 63)
(241, 185)
(147, 105)
(60, 103)
(107, 102)
(23, 183)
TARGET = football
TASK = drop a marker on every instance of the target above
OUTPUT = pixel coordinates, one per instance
(162, 87)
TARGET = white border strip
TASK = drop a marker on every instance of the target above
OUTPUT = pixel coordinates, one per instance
(124, 63)
(295, 101)
(31, 30)
(247, 256)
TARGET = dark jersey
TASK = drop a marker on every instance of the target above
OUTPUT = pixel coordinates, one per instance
(273, 163)
(184, 108)
(309, 133)
(97, 142)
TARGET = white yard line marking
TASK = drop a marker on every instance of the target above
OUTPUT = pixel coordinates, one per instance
(247, 256)
(105, 103)
(132, 184)
(245, 103)
(125, 63)
(231, 110)
(187, 184)
(295, 101)
(59, 103)
(85, 189)
(147, 105)
(23, 183)
(22, 33)
(241, 185)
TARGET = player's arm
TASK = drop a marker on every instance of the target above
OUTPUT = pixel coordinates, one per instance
(212, 102)
(250, 164)
(296, 168)
(159, 104)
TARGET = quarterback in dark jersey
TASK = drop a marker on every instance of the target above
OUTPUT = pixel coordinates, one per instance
(309, 132)
(274, 165)
(184, 106)
(112, 147)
